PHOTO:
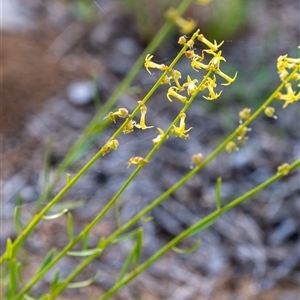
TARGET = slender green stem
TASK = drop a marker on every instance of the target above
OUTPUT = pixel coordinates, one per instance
(208, 219)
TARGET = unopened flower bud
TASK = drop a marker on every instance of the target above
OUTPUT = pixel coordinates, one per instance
(231, 146)
(245, 114)
(197, 159)
(270, 112)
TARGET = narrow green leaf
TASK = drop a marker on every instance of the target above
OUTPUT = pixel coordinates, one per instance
(88, 252)
(17, 218)
(126, 264)
(45, 297)
(203, 226)
(47, 259)
(139, 246)
(187, 251)
(218, 192)
(70, 226)
(134, 256)
(69, 205)
(83, 283)
(146, 219)
(126, 236)
(55, 281)
(101, 244)
(55, 216)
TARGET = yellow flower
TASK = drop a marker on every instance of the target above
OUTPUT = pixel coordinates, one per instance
(210, 84)
(213, 46)
(214, 64)
(197, 159)
(129, 127)
(121, 113)
(150, 64)
(289, 97)
(110, 145)
(226, 77)
(283, 169)
(159, 137)
(191, 86)
(142, 124)
(231, 146)
(186, 26)
(245, 114)
(176, 75)
(172, 92)
(136, 160)
(203, 2)
(196, 64)
(270, 112)
(181, 131)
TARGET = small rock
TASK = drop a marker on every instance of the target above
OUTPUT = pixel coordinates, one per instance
(81, 93)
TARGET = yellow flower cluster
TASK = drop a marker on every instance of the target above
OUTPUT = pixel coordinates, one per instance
(285, 65)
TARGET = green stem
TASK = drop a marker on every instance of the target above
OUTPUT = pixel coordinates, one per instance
(208, 219)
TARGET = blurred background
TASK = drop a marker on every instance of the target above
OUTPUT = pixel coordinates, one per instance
(61, 60)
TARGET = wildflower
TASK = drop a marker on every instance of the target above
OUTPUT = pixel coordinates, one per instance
(159, 137)
(210, 84)
(213, 46)
(283, 169)
(270, 112)
(231, 146)
(182, 40)
(214, 64)
(197, 159)
(191, 86)
(136, 160)
(181, 131)
(166, 80)
(150, 64)
(129, 127)
(196, 64)
(176, 75)
(289, 97)
(226, 77)
(245, 114)
(242, 130)
(142, 124)
(110, 145)
(186, 26)
(284, 62)
(172, 92)
(121, 113)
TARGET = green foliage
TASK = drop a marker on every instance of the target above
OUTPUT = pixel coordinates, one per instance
(186, 94)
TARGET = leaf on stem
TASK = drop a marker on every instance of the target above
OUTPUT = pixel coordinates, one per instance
(218, 192)
(70, 226)
(54, 283)
(47, 259)
(134, 256)
(82, 253)
(201, 227)
(13, 281)
(83, 283)
(18, 213)
(187, 251)
(55, 216)
(126, 236)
